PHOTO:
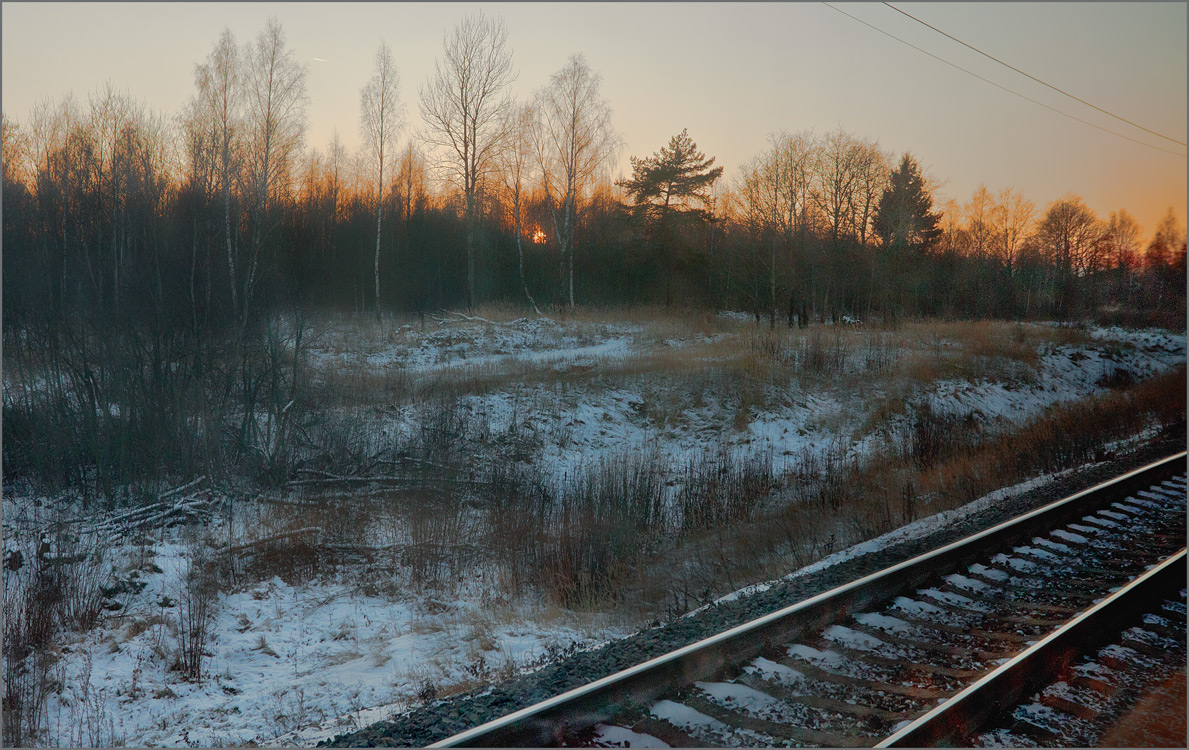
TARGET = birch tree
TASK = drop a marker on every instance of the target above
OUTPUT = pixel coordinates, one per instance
(380, 119)
(220, 96)
(275, 94)
(514, 168)
(573, 140)
(464, 105)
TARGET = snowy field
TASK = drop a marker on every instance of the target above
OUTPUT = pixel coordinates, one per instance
(294, 663)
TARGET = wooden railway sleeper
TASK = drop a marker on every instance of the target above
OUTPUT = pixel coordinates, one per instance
(906, 664)
(788, 695)
(667, 733)
(825, 675)
(968, 633)
(908, 641)
(1063, 612)
(1069, 589)
(741, 720)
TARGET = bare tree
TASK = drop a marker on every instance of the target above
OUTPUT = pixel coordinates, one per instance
(573, 140)
(380, 118)
(220, 95)
(112, 114)
(775, 194)
(835, 173)
(514, 168)
(1070, 234)
(410, 175)
(1011, 221)
(463, 106)
(276, 99)
(1121, 248)
(758, 195)
(979, 222)
(872, 169)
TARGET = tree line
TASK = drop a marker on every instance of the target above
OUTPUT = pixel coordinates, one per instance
(223, 207)
(146, 255)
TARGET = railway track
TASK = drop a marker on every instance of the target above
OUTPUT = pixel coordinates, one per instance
(1082, 703)
(971, 627)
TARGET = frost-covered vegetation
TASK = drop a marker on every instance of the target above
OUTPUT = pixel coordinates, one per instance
(450, 501)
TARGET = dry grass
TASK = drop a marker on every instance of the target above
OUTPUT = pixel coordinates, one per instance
(614, 535)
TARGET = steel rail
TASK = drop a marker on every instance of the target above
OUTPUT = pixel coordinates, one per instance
(548, 722)
(968, 711)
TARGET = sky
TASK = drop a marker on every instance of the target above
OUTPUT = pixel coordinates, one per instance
(729, 72)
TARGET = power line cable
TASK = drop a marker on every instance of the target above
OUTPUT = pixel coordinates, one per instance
(1034, 78)
(1004, 88)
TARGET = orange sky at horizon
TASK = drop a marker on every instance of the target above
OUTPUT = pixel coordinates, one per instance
(729, 72)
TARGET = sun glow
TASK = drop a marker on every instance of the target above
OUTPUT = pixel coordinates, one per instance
(538, 236)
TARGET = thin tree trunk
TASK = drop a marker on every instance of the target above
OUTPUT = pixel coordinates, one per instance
(520, 255)
(379, 212)
(227, 237)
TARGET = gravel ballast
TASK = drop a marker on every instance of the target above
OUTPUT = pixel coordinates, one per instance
(430, 723)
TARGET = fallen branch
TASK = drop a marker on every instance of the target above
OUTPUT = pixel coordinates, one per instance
(416, 482)
(269, 539)
(183, 488)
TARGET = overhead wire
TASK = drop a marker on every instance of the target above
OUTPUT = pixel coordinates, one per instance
(1034, 78)
(1061, 112)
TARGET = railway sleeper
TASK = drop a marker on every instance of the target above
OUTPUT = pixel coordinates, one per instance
(1098, 685)
(1172, 609)
(1144, 642)
(1015, 581)
(823, 655)
(742, 720)
(885, 717)
(975, 659)
(667, 733)
(1074, 590)
(1073, 708)
(1000, 598)
(1042, 734)
(1122, 663)
(1138, 540)
(988, 618)
(807, 685)
(909, 664)
(825, 675)
(905, 672)
(969, 638)
(1166, 630)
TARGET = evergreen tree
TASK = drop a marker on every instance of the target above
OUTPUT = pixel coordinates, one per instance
(909, 228)
(673, 179)
(668, 190)
(904, 217)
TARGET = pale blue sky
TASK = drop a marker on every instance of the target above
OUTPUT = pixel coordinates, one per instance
(729, 72)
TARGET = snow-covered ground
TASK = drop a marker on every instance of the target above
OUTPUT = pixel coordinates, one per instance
(684, 415)
(296, 664)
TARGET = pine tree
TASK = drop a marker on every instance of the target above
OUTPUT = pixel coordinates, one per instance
(673, 179)
(668, 189)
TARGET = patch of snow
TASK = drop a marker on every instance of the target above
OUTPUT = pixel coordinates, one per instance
(733, 694)
(684, 717)
(776, 671)
(610, 735)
